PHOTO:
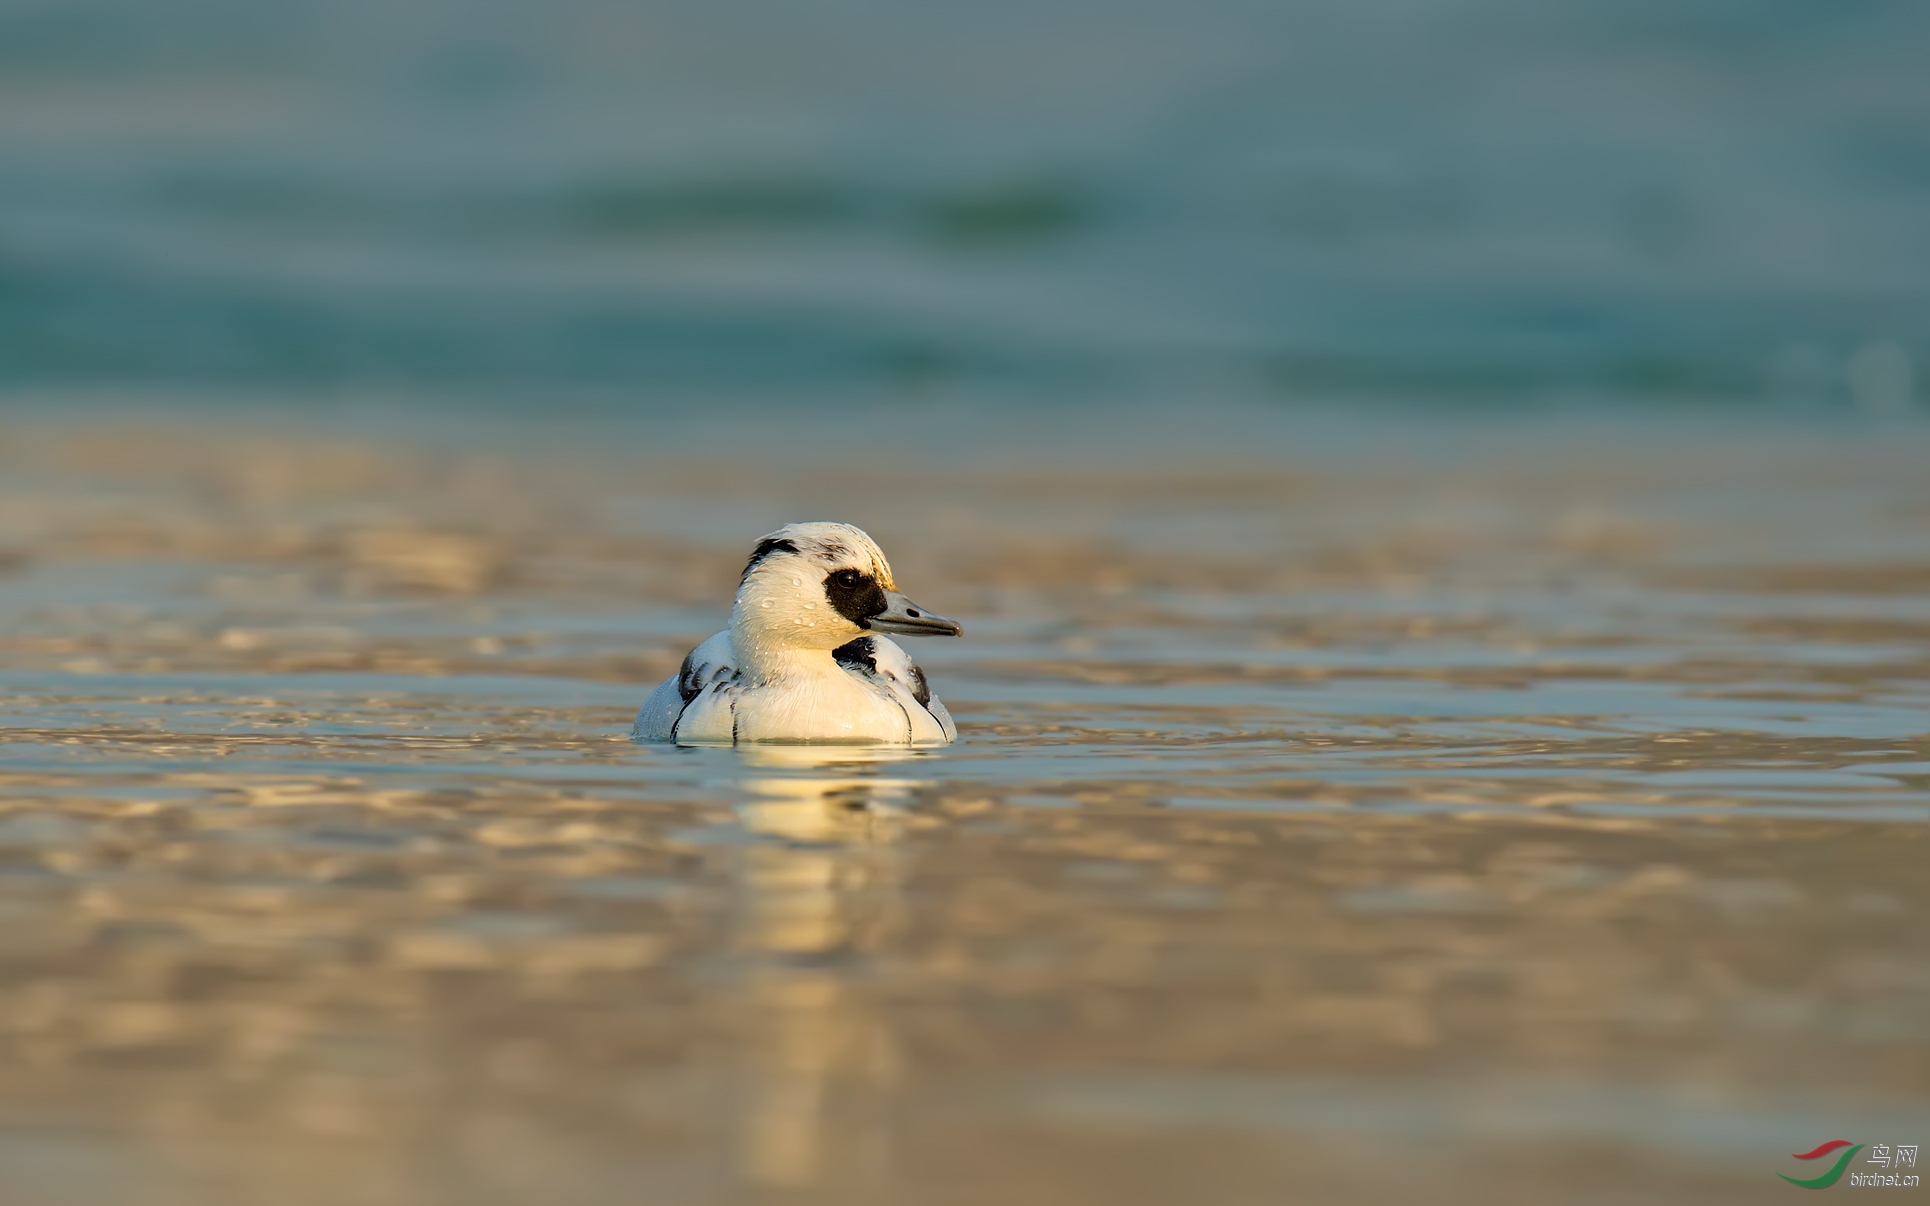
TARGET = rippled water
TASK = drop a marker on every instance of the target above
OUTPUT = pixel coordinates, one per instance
(1478, 814)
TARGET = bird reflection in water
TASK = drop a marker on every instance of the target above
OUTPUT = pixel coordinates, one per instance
(820, 901)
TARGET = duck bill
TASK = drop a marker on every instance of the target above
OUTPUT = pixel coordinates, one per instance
(902, 617)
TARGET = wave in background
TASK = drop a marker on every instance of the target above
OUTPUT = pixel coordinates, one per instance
(612, 207)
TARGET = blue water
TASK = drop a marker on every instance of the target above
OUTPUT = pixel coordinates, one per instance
(622, 208)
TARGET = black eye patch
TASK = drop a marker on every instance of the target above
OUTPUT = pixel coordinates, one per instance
(857, 597)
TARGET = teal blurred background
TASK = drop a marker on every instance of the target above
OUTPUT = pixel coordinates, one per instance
(632, 209)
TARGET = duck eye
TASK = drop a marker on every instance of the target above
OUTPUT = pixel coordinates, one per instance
(846, 577)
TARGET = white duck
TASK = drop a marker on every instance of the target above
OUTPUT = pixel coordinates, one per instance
(802, 659)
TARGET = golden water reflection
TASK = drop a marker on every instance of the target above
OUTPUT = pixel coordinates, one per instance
(1348, 833)
(820, 897)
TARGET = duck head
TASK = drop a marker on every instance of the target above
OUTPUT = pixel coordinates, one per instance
(821, 585)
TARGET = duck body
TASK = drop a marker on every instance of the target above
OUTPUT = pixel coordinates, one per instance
(868, 690)
(805, 658)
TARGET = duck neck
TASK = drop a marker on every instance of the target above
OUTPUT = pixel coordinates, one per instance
(766, 660)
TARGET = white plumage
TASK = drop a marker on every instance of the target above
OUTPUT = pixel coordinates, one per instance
(804, 658)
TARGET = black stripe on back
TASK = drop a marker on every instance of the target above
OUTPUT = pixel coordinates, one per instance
(860, 652)
(687, 685)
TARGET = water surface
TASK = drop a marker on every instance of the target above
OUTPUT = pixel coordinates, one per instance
(1473, 814)
(1444, 201)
